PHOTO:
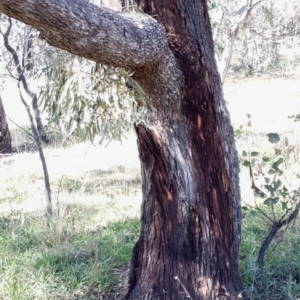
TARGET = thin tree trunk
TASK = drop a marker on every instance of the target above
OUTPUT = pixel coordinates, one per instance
(22, 65)
(26, 67)
(37, 138)
(37, 117)
(42, 157)
(5, 139)
(224, 63)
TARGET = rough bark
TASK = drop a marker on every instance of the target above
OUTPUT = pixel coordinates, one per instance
(84, 29)
(190, 231)
(5, 139)
(190, 217)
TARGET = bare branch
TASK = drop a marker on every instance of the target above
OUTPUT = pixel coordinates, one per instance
(19, 126)
(98, 34)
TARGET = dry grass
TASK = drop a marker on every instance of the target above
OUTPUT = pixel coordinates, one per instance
(82, 173)
(269, 102)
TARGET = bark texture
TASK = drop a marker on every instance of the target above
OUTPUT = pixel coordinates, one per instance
(190, 223)
(5, 139)
(84, 29)
(189, 240)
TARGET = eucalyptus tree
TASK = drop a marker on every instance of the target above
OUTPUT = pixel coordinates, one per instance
(20, 66)
(271, 38)
(190, 221)
(5, 139)
(254, 35)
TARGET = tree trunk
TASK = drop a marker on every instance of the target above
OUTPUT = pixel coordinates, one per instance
(37, 139)
(22, 62)
(37, 117)
(224, 62)
(5, 139)
(188, 247)
(34, 129)
(190, 231)
(26, 60)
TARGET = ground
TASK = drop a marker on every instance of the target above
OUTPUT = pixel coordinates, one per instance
(97, 190)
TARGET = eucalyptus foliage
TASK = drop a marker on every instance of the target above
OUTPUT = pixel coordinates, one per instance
(91, 100)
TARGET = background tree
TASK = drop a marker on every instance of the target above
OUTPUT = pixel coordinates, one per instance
(20, 66)
(24, 66)
(271, 39)
(5, 139)
(189, 239)
(227, 18)
(254, 36)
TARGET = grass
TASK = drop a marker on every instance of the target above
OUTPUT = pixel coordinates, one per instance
(86, 248)
(71, 256)
(96, 195)
(281, 276)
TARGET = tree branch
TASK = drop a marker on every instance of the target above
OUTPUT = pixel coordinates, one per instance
(98, 34)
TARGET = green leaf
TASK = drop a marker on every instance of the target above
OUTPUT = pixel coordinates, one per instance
(274, 138)
(266, 159)
(244, 153)
(246, 163)
(259, 194)
(277, 163)
(277, 184)
(284, 192)
(254, 153)
(248, 116)
(245, 208)
(297, 118)
(284, 205)
(271, 201)
(270, 188)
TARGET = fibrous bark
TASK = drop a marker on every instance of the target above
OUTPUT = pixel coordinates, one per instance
(190, 223)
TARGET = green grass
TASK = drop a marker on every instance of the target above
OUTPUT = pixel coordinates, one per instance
(96, 225)
(71, 256)
(281, 274)
(74, 256)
